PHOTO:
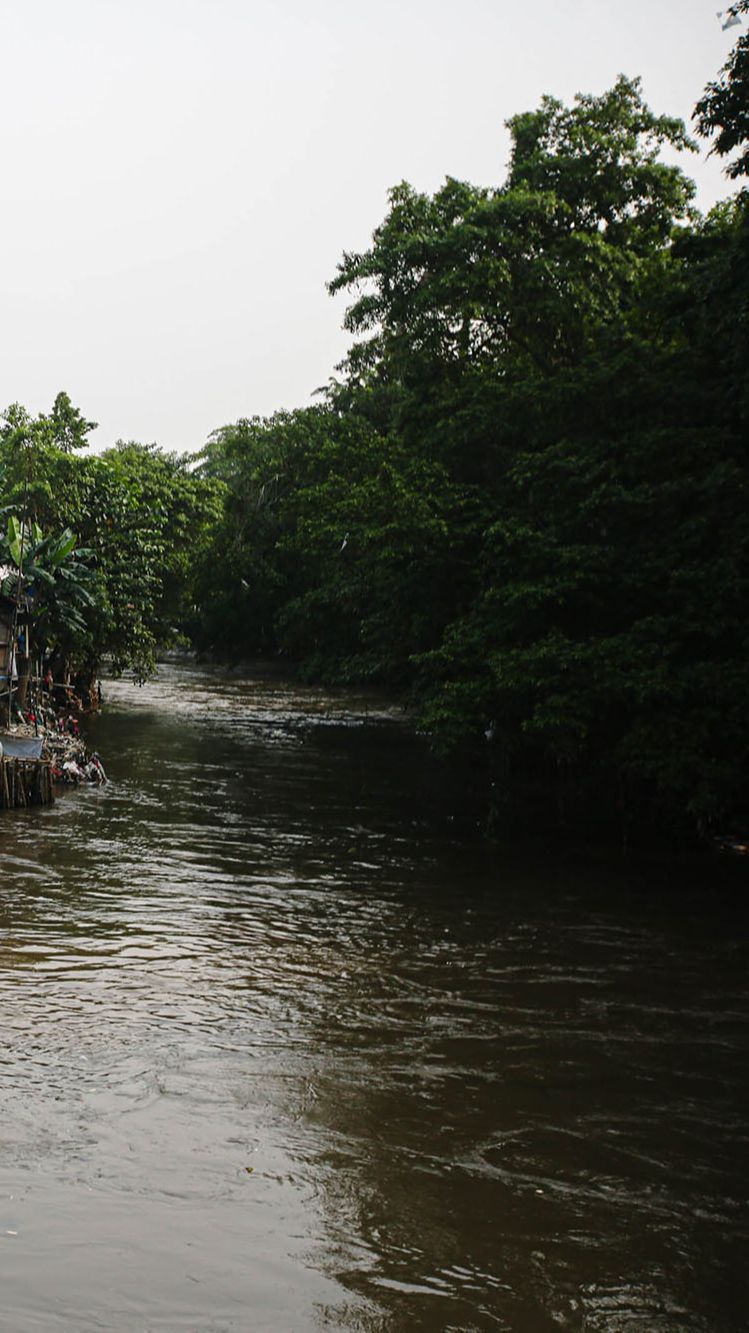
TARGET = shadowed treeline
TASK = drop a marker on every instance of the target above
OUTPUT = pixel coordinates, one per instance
(521, 503)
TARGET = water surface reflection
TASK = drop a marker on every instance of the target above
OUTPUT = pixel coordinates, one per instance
(283, 1053)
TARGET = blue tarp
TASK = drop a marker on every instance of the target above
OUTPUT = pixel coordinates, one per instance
(21, 747)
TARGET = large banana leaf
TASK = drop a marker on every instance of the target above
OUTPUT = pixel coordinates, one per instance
(61, 547)
(34, 571)
(15, 538)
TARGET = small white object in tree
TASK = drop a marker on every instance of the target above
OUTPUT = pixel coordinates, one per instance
(731, 21)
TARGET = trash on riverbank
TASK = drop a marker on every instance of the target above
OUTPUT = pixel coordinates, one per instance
(42, 749)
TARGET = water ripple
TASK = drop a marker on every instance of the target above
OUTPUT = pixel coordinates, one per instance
(271, 1033)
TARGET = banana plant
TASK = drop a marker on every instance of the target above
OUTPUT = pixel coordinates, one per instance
(52, 572)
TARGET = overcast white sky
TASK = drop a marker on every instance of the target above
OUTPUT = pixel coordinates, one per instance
(180, 177)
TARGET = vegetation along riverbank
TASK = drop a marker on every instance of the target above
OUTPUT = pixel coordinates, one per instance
(521, 501)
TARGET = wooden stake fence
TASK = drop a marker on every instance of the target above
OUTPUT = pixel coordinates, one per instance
(25, 782)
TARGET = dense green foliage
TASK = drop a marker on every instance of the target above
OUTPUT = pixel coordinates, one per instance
(524, 499)
(135, 521)
(723, 111)
(54, 574)
(522, 502)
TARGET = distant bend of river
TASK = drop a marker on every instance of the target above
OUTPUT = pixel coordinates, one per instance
(283, 1050)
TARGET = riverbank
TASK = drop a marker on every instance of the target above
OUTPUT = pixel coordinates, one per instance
(466, 788)
(41, 753)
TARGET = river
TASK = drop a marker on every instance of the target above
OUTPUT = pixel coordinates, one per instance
(286, 1049)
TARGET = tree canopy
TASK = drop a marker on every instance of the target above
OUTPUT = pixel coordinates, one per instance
(139, 515)
(723, 112)
(522, 498)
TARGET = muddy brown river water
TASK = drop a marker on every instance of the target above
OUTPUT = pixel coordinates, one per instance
(283, 1049)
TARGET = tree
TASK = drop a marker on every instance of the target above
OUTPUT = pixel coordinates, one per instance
(148, 518)
(142, 515)
(540, 345)
(723, 111)
(53, 572)
(40, 474)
